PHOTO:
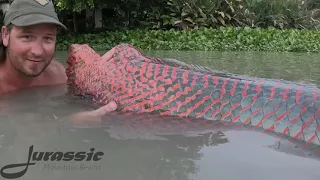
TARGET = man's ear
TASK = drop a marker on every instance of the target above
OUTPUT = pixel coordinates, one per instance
(5, 36)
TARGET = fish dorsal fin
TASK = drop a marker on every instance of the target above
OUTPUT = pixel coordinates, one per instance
(193, 67)
(206, 70)
(129, 49)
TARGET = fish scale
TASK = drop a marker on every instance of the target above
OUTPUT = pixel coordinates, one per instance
(172, 88)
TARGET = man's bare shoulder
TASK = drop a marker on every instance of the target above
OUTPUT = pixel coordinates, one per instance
(56, 72)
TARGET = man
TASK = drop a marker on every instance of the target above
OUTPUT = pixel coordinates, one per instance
(28, 46)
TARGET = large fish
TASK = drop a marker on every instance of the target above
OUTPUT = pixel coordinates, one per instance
(168, 87)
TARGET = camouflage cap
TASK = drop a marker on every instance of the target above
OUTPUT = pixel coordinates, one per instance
(31, 12)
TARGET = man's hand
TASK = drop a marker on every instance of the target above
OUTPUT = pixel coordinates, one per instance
(93, 117)
(108, 55)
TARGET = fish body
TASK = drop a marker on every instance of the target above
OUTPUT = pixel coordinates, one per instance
(168, 87)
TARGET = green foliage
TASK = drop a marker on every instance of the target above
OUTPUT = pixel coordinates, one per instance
(206, 39)
(283, 13)
(193, 14)
(129, 13)
(74, 5)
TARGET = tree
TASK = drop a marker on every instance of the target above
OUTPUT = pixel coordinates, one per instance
(73, 6)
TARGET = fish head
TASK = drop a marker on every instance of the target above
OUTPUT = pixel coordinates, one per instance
(82, 70)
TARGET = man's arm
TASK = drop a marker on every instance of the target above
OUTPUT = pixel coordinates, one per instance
(92, 117)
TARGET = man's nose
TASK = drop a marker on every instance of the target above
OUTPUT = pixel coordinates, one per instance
(37, 48)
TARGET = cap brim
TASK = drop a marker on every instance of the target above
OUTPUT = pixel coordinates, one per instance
(33, 19)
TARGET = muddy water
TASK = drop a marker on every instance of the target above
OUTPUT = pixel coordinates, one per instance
(134, 151)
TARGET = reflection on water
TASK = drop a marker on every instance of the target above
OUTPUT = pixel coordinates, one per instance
(137, 148)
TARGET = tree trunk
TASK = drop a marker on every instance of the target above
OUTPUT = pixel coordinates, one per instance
(75, 29)
(92, 22)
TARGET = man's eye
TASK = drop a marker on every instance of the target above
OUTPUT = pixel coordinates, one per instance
(26, 37)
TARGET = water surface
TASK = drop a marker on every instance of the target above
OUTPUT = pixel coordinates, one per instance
(38, 117)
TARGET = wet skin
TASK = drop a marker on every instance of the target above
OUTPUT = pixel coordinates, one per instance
(29, 62)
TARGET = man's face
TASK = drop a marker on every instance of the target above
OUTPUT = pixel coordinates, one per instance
(30, 49)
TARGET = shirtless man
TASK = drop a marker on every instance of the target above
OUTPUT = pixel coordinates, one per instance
(27, 50)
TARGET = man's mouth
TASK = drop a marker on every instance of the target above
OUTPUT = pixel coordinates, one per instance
(35, 61)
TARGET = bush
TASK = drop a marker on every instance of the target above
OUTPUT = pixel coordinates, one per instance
(193, 14)
(207, 39)
(300, 14)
